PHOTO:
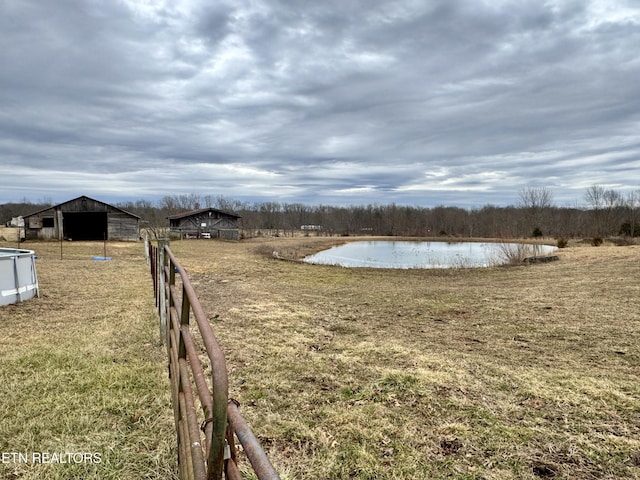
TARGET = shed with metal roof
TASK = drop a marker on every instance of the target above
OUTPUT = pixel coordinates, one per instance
(205, 223)
(82, 218)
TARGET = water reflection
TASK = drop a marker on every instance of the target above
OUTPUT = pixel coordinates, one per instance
(405, 254)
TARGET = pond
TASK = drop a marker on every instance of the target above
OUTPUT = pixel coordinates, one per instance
(410, 254)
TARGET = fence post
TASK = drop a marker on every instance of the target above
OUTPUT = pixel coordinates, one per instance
(162, 242)
(146, 247)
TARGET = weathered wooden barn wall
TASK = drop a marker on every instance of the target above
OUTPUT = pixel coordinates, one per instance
(122, 226)
(42, 225)
(83, 204)
(227, 229)
(82, 218)
(210, 221)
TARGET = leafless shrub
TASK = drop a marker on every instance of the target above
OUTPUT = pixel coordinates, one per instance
(515, 253)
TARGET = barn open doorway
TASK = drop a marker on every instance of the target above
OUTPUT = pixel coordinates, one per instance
(85, 225)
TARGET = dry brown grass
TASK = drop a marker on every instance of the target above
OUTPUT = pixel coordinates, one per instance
(83, 370)
(519, 372)
(502, 373)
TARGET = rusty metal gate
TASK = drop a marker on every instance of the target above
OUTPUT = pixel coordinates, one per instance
(207, 425)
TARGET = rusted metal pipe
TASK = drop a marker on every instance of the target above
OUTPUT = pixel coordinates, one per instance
(183, 441)
(220, 383)
(201, 384)
(259, 461)
(195, 447)
(222, 417)
(233, 472)
(198, 373)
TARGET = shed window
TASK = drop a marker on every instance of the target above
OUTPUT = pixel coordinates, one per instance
(47, 222)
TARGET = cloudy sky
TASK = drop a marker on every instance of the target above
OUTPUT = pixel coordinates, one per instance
(418, 102)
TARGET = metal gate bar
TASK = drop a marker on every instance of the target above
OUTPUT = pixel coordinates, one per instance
(206, 438)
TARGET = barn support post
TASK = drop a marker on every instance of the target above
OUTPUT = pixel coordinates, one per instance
(162, 307)
(59, 224)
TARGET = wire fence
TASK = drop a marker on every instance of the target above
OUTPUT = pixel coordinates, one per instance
(208, 422)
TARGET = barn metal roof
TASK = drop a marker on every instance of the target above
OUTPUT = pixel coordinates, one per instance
(199, 211)
(75, 200)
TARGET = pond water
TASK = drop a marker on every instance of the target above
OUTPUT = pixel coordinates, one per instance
(406, 254)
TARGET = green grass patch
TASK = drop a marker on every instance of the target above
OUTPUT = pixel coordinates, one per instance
(83, 383)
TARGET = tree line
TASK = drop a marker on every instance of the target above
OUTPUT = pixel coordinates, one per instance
(608, 213)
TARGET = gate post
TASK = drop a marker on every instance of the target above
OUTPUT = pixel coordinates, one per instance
(162, 291)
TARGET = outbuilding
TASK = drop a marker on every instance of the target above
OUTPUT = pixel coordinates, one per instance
(82, 218)
(205, 223)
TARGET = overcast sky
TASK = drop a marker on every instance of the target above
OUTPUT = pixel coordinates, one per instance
(417, 102)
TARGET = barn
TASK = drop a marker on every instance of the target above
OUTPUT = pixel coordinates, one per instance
(205, 223)
(82, 218)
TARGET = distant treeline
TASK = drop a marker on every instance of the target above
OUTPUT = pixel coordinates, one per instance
(608, 213)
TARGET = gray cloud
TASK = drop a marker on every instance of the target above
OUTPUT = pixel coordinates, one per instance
(322, 102)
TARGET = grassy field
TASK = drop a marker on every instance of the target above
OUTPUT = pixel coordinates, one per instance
(82, 371)
(502, 373)
(520, 372)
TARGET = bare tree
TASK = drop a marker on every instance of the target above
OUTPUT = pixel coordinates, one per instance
(536, 201)
(536, 197)
(595, 198)
(632, 213)
(606, 206)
